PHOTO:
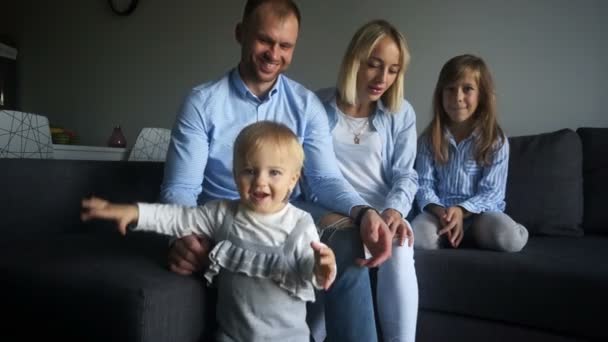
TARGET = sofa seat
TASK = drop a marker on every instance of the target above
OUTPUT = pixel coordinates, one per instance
(539, 288)
(119, 288)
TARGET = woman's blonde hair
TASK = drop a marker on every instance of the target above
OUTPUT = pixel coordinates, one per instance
(359, 50)
(489, 134)
(253, 137)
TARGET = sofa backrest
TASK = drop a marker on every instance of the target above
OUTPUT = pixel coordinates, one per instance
(545, 183)
(595, 173)
(41, 197)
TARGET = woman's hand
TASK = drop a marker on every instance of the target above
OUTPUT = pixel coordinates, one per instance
(97, 208)
(399, 227)
(376, 237)
(325, 264)
(452, 225)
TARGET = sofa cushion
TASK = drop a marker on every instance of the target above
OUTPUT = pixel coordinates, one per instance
(555, 284)
(117, 288)
(545, 183)
(595, 171)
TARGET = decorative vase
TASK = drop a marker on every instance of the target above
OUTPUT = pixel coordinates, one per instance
(117, 139)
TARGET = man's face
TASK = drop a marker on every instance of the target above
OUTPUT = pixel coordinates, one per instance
(267, 45)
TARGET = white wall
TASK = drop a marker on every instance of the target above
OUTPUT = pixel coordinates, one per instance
(87, 69)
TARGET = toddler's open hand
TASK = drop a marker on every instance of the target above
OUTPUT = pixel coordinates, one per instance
(325, 264)
(97, 208)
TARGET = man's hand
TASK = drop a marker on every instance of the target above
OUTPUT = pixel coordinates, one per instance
(189, 254)
(400, 229)
(377, 237)
(452, 225)
(325, 264)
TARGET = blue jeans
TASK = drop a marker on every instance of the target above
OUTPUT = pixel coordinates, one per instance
(347, 306)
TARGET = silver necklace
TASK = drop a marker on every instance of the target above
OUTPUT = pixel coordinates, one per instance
(356, 131)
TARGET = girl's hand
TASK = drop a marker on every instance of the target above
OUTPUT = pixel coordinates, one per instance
(97, 208)
(325, 264)
(453, 226)
(438, 211)
(399, 227)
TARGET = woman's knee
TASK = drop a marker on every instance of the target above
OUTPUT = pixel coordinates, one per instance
(401, 260)
(399, 269)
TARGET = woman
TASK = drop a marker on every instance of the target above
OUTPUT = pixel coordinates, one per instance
(374, 136)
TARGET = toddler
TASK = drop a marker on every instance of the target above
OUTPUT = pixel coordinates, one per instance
(267, 260)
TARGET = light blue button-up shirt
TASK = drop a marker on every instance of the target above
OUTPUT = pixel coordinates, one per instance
(397, 132)
(199, 158)
(461, 181)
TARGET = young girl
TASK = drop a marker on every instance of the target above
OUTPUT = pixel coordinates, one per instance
(267, 257)
(462, 163)
(374, 135)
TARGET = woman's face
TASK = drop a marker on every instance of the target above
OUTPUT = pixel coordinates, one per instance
(379, 72)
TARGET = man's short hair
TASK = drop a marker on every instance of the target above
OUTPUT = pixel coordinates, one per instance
(282, 8)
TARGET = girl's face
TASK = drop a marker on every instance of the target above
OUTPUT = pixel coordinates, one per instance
(378, 73)
(265, 180)
(461, 98)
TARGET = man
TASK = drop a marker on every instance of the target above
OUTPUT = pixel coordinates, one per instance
(199, 159)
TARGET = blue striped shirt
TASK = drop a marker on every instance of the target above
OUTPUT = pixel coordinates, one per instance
(461, 181)
(199, 158)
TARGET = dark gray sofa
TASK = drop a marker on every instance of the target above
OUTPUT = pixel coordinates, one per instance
(83, 282)
(556, 288)
(68, 281)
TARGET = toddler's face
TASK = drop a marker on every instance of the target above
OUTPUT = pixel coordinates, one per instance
(266, 178)
(460, 99)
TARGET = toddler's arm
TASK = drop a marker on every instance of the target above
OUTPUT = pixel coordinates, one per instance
(166, 219)
(123, 214)
(325, 264)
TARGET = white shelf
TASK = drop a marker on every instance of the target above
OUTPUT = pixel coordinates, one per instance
(82, 152)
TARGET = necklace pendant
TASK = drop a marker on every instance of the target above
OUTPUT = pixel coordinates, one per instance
(357, 140)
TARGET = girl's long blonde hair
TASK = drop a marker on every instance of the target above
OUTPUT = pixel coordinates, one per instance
(489, 134)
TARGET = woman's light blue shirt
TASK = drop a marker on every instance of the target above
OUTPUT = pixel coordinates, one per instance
(398, 134)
